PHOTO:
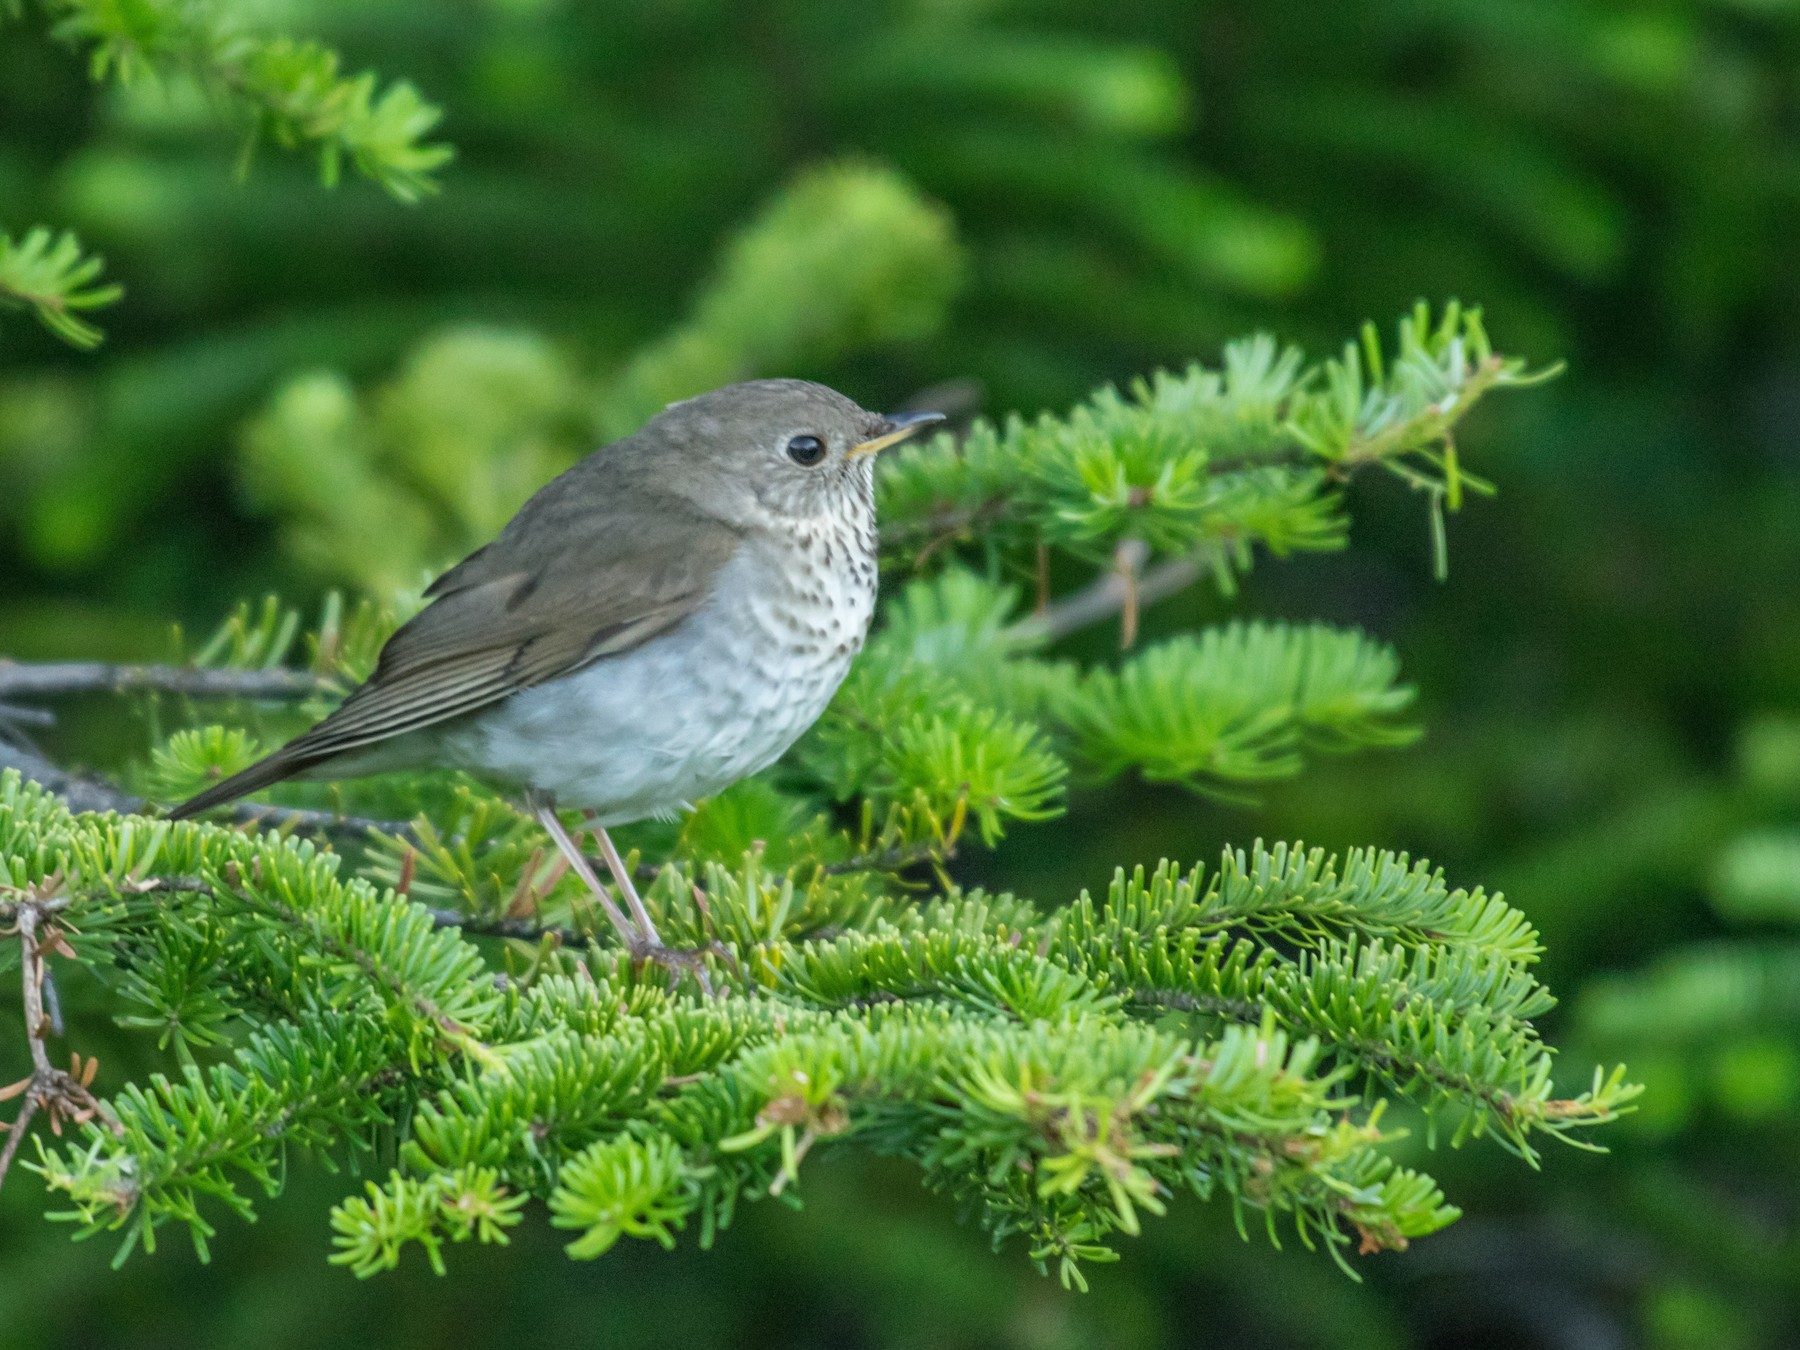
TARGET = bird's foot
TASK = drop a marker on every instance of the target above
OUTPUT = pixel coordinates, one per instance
(678, 961)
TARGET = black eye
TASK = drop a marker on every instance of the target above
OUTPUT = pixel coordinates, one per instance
(806, 451)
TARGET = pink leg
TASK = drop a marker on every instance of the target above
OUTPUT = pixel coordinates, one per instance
(622, 875)
(546, 815)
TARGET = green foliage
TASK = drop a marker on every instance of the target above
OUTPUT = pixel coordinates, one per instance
(295, 93)
(1426, 988)
(49, 275)
(1714, 1023)
(462, 1205)
(1758, 876)
(1711, 1026)
(374, 489)
(848, 258)
(1238, 704)
(191, 760)
(935, 707)
(1063, 1071)
(1215, 461)
(1006, 1061)
(624, 1187)
(1130, 184)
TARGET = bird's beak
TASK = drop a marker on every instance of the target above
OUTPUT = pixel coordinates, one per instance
(898, 426)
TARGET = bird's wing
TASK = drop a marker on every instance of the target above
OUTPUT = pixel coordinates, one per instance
(566, 584)
(521, 612)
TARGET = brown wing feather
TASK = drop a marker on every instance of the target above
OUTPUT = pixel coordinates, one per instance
(588, 569)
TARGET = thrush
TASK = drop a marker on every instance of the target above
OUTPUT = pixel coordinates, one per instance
(660, 621)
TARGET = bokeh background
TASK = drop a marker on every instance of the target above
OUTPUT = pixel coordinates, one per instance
(307, 389)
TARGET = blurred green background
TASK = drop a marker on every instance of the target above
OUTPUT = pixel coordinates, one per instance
(308, 388)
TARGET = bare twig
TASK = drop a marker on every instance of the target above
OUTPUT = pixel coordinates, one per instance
(314, 822)
(1110, 594)
(167, 886)
(41, 679)
(59, 1094)
(896, 859)
(22, 716)
(81, 793)
(1128, 566)
(526, 930)
(89, 793)
(16, 1131)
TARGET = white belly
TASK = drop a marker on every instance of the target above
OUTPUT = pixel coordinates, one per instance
(715, 699)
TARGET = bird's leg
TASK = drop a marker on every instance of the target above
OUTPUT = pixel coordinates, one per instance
(640, 938)
(545, 812)
(622, 875)
(651, 947)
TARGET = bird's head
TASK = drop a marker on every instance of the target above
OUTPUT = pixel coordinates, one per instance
(783, 449)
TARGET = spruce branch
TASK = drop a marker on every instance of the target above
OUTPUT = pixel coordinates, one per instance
(1126, 589)
(49, 275)
(63, 1096)
(289, 91)
(292, 92)
(292, 1085)
(1206, 463)
(312, 821)
(520, 929)
(443, 1207)
(88, 792)
(53, 679)
(1237, 704)
(960, 1033)
(1065, 1071)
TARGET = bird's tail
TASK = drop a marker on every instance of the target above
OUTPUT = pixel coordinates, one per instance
(283, 763)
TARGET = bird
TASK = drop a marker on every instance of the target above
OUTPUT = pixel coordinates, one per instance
(661, 620)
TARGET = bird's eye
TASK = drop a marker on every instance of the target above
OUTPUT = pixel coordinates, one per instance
(806, 451)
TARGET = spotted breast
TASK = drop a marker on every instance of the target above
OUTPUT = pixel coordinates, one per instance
(720, 697)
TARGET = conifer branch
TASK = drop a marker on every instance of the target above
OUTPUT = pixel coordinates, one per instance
(83, 793)
(293, 92)
(87, 792)
(44, 679)
(1208, 463)
(47, 274)
(1126, 583)
(63, 1096)
(1065, 1071)
(307, 820)
(521, 929)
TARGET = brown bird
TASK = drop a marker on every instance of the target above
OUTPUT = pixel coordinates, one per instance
(663, 619)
